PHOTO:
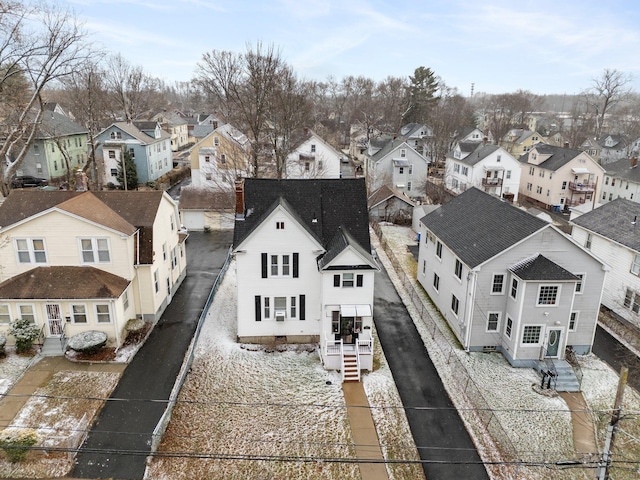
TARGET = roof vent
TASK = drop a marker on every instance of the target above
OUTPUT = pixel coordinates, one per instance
(635, 219)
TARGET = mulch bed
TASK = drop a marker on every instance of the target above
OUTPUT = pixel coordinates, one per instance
(109, 354)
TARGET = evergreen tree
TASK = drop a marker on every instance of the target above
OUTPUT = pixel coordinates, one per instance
(420, 96)
(130, 168)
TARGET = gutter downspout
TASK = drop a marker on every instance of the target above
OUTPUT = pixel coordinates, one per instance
(470, 300)
(115, 323)
(136, 266)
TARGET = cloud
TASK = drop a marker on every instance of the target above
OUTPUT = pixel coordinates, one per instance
(120, 34)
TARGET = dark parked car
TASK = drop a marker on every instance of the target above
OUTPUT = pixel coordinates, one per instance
(23, 181)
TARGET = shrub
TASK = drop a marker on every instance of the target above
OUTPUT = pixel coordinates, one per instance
(25, 333)
(88, 342)
(16, 444)
(3, 342)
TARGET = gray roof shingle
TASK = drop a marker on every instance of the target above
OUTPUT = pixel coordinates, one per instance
(541, 268)
(614, 220)
(477, 226)
(560, 156)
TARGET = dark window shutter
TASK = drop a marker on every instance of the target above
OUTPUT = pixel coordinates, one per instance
(359, 280)
(295, 265)
(264, 265)
(336, 280)
(302, 311)
(258, 308)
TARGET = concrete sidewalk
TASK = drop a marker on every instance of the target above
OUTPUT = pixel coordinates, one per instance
(37, 375)
(364, 432)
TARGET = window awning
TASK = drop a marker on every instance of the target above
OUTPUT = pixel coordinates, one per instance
(579, 170)
(355, 310)
(493, 167)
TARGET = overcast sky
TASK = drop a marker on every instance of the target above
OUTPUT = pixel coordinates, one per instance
(500, 46)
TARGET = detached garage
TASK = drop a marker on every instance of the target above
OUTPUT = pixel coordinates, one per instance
(203, 209)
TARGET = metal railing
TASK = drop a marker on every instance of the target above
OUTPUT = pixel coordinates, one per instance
(549, 374)
(63, 337)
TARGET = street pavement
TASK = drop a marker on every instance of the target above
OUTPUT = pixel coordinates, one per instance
(120, 438)
(444, 444)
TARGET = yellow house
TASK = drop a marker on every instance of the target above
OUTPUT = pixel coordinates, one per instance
(219, 158)
(518, 141)
(77, 261)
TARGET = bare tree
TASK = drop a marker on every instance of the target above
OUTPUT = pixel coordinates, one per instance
(132, 91)
(389, 97)
(41, 44)
(606, 92)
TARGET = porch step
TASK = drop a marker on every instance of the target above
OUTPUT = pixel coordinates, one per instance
(52, 347)
(351, 369)
(566, 380)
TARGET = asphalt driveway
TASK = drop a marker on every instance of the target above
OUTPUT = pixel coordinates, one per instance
(120, 438)
(438, 431)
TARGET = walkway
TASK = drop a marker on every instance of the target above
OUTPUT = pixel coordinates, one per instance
(38, 375)
(364, 432)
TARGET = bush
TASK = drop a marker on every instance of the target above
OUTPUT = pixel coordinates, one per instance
(25, 333)
(3, 342)
(88, 342)
(16, 444)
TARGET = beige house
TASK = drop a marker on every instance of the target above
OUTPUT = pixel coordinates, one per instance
(219, 158)
(77, 261)
(517, 141)
(176, 126)
(559, 177)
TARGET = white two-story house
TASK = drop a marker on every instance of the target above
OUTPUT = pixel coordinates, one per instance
(485, 166)
(508, 281)
(612, 233)
(312, 157)
(77, 261)
(305, 272)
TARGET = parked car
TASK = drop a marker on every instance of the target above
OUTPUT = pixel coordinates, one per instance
(22, 181)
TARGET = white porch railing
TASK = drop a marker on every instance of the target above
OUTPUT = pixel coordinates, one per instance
(332, 347)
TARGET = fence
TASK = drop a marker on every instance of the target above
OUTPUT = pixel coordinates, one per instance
(482, 408)
(186, 364)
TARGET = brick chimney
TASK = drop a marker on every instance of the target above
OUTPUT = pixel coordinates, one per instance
(566, 144)
(634, 162)
(239, 199)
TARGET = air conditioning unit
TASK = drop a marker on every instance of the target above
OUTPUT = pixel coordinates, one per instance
(280, 316)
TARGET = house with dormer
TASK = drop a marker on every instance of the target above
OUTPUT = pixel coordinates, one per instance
(305, 272)
(482, 165)
(559, 177)
(146, 142)
(77, 261)
(505, 280)
(176, 126)
(519, 141)
(613, 148)
(396, 164)
(312, 157)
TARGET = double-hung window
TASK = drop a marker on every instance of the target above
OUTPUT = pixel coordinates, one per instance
(514, 288)
(31, 250)
(635, 266)
(79, 313)
(455, 304)
(580, 283)
(95, 250)
(458, 269)
(26, 313)
(5, 313)
(493, 321)
(439, 249)
(102, 313)
(497, 285)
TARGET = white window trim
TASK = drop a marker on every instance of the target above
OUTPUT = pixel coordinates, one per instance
(497, 329)
(279, 265)
(455, 269)
(515, 298)
(439, 257)
(493, 277)
(575, 323)
(95, 311)
(506, 323)
(433, 282)
(86, 314)
(582, 282)
(10, 313)
(31, 250)
(451, 305)
(540, 337)
(636, 265)
(94, 250)
(33, 311)
(558, 293)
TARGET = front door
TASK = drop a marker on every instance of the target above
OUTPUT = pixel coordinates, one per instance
(553, 342)
(346, 329)
(54, 319)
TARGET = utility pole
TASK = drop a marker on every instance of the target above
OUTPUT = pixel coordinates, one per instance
(605, 463)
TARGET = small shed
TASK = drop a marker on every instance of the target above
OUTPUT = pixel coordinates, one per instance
(388, 205)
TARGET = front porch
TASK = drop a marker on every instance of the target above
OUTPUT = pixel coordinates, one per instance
(348, 357)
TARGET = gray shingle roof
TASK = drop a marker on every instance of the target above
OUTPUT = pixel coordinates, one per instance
(560, 156)
(480, 153)
(57, 125)
(622, 169)
(614, 220)
(477, 226)
(541, 268)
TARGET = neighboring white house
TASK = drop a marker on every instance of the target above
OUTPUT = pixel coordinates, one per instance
(305, 272)
(508, 281)
(613, 148)
(313, 157)
(397, 165)
(612, 233)
(488, 167)
(621, 180)
(77, 261)
(418, 136)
